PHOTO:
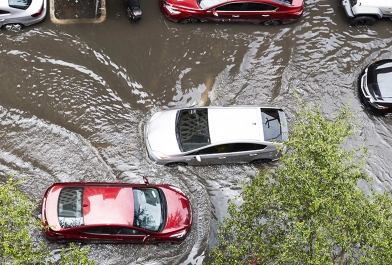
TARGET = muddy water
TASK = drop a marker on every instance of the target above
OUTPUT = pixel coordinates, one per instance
(74, 98)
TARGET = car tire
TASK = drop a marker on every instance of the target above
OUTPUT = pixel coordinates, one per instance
(362, 21)
(273, 22)
(13, 26)
(189, 20)
(176, 164)
(260, 161)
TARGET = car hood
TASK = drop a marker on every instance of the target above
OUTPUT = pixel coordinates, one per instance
(161, 133)
(179, 211)
(188, 4)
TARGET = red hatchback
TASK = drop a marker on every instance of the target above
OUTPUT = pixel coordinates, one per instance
(116, 213)
(266, 12)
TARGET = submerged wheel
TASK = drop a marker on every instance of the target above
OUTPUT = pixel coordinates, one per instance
(189, 20)
(13, 26)
(362, 21)
(272, 22)
(176, 164)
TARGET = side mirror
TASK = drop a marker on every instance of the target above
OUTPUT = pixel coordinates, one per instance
(145, 180)
(215, 13)
(145, 238)
(198, 158)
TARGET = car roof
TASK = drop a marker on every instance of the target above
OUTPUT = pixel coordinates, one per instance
(108, 205)
(228, 124)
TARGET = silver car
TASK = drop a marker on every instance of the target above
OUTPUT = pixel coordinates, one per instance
(16, 14)
(215, 135)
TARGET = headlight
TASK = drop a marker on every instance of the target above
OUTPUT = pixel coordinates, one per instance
(172, 10)
(179, 235)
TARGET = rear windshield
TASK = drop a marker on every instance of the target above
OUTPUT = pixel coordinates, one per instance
(271, 125)
(150, 209)
(19, 4)
(380, 79)
(192, 129)
(70, 210)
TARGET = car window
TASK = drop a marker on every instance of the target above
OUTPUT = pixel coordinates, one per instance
(98, 230)
(192, 129)
(19, 4)
(70, 210)
(242, 147)
(106, 230)
(231, 7)
(271, 124)
(127, 231)
(149, 209)
(222, 148)
(259, 7)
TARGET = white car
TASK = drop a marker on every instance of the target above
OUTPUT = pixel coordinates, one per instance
(16, 14)
(215, 135)
(367, 12)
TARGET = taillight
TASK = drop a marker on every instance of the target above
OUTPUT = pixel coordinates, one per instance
(39, 12)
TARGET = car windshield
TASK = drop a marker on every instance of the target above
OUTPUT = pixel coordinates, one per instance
(149, 209)
(70, 210)
(192, 129)
(380, 78)
(271, 124)
(19, 4)
(208, 3)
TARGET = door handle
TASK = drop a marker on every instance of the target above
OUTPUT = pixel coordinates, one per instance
(253, 155)
(222, 157)
(235, 15)
(1, 20)
(265, 15)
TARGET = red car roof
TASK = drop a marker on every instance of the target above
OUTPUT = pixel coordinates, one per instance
(108, 205)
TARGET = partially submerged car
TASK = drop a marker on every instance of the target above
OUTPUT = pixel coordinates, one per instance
(16, 14)
(133, 10)
(215, 135)
(375, 86)
(266, 12)
(366, 12)
(95, 212)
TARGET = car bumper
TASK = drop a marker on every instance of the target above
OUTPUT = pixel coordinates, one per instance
(347, 8)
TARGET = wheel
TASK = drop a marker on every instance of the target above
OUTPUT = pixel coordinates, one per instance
(260, 161)
(189, 20)
(272, 22)
(13, 26)
(176, 164)
(136, 19)
(362, 21)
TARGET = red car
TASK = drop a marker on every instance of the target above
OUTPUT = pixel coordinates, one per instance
(115, 213)
(266, 12)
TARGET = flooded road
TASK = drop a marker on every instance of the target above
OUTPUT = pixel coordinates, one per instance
(74, 99)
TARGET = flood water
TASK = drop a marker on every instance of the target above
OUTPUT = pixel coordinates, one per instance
(74, 99)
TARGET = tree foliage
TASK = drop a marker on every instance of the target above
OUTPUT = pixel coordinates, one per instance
(309, 210)
(16, 224)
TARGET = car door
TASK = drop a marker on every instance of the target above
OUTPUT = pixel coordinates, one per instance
(259, 12)
(97, 234)
(4, 16)
(216, 154)
(131, 235)
(247, 152)
(227, 13)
